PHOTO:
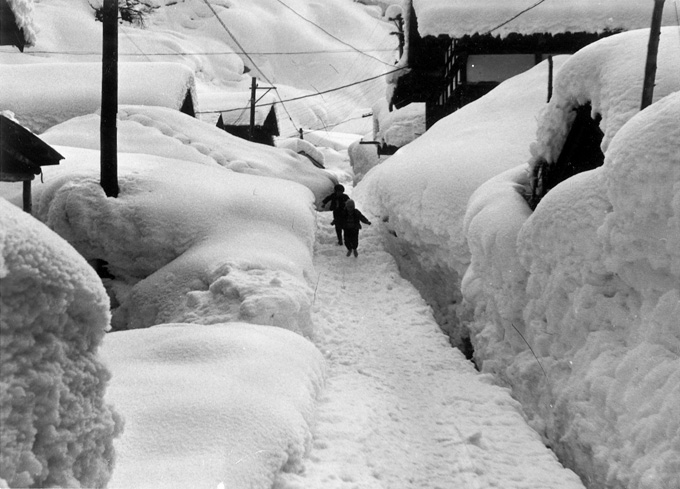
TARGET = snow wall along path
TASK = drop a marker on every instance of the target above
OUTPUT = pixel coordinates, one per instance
(402, 408)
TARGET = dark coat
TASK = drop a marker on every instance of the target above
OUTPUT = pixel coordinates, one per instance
(353, 219)
(337, 200)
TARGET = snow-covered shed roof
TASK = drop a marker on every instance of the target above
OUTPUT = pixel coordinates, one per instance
(42, 95)
(457, 18)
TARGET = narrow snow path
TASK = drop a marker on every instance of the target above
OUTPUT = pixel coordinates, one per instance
(401, 408)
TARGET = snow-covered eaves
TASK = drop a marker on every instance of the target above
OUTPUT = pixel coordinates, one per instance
(42, 95)
(457, 18)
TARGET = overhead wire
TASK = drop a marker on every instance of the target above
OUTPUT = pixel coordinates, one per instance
(315, 94)
(224, 26)
(515, 16)
(319, 93)
(204, 53)
(328, 33)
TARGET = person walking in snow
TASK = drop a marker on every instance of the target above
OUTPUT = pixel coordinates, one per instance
(352, 224)
(337, 199)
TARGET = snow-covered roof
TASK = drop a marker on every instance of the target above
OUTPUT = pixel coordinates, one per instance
(42, 95)
(457, 18)
(609, 75)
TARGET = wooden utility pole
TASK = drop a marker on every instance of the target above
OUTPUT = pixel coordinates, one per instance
(550, 77)
(253, 88)
(108, 137)
(652, 52)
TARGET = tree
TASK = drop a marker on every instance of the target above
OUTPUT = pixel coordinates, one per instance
(132, 11)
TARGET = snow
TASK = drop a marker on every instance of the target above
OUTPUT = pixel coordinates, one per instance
(169, 133)
(590, 279)
(401, 126)
(262, 356)
(609, 78)
(57, 426)
(248, 418)
(457, 18)
(421, 192)
(599, 303)
(179, 256)
(401, 408)
(74, 89)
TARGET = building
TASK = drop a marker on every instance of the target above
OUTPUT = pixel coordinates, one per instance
(457, 50)
(232, 112)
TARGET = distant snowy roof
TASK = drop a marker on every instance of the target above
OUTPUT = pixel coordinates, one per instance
(42, 95)
(457, 18)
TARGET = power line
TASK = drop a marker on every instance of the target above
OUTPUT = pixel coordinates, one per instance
(251, 59)
(515, 16)
(331, 35)
(310, 95)
(224, 26)
(209, 53)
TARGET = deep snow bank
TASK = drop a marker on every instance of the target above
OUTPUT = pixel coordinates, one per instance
(56, 428)
(208, 406)
(591, 280)
(421, 192)
(187, 242)
(165, 132)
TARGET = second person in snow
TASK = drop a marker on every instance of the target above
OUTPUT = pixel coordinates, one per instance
(337, 199)
(351, 226)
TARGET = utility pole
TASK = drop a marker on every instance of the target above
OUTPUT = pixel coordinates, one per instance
(253, 88)
(550, 77)
(652, 52)
(108, 138)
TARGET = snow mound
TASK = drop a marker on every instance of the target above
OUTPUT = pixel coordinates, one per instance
(187, 242)
(400, 127)
(607, 74)
(56, 428)
(225, 405)
(421, 192)
(165, 132)
(604, 297)
(591, 280)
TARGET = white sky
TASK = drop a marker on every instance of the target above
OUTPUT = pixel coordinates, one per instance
(355, 386)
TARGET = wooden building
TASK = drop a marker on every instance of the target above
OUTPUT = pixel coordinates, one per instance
(22, 156)
(237, 123)
(451, 65)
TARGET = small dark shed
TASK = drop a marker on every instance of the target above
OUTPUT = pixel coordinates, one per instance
(22, 154)
(264, 130)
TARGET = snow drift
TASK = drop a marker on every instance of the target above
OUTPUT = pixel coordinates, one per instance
(56, 428)
(186, 242)
(421, 192)
(576, 304)
(223, 405)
